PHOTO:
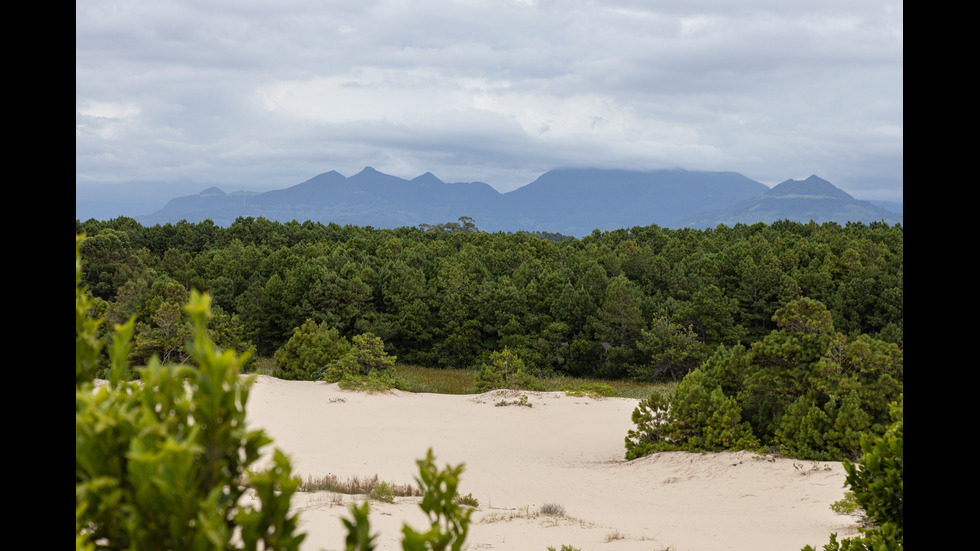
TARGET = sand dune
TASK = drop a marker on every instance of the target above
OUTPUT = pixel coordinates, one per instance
(563, 450)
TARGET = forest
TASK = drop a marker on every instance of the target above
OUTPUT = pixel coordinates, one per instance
(641, 303)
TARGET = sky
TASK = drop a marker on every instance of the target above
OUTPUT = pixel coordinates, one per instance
(175, 96)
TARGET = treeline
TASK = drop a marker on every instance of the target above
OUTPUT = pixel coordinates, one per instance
(643, 302)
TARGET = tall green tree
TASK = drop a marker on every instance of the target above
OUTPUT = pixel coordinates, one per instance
(618, 326)
(669, 350)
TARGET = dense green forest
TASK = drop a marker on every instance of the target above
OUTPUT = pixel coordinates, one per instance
(642, 303)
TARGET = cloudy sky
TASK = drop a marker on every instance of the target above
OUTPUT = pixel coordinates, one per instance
(175, 96)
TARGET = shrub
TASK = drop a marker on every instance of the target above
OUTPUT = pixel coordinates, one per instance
(468, 500)
(698, 418)
(847, 505)
(367, 354)
(309, 350)
(522, 401)
(383, 492)
(505, 370)
(370, 383)
(649, 417)
(553, 510)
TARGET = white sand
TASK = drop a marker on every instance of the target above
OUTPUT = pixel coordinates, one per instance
(564, 450)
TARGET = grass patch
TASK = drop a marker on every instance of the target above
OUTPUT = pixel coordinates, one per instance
(354, 485)
(372, 382)
(522, 402)
(264, 366)
(592, 390)
(413, 378)
(579, 386)
(615, 535)
(463, 381)
(436, 381)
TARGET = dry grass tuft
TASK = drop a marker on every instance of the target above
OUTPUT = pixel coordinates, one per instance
(354, 485)
(553, 510)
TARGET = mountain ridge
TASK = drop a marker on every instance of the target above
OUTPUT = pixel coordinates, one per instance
(570, 201)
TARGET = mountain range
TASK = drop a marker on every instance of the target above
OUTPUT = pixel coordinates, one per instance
(569, 201)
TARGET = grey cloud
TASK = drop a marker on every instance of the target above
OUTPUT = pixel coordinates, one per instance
(262, 95)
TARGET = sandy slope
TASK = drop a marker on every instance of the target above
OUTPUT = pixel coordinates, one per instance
(564, 450)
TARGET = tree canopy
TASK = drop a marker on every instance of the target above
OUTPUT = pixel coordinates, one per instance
(644, 302)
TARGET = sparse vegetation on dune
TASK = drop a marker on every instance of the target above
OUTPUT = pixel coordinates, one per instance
(463, 381)
(355, 485)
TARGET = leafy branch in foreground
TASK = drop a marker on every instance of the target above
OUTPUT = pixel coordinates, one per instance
(161, 462)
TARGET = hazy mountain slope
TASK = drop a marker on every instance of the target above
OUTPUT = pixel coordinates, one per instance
(801, 200)
(567, 201)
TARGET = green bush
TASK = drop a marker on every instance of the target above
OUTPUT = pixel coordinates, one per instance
(649, 416)
(383, 492)
(847, 505)
(309, 351)
(505, 370)
(468, 500)
(366, 355)
(370, 383)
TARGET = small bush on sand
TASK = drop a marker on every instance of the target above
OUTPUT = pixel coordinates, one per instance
(553, 510)
(310, 348)
(467, 500)
(505, 370)
(523, 401)
(365, 367)
(383, 492)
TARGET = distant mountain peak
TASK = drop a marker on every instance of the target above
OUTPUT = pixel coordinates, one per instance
(213, 190)
(813, 186)
(427, 178)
